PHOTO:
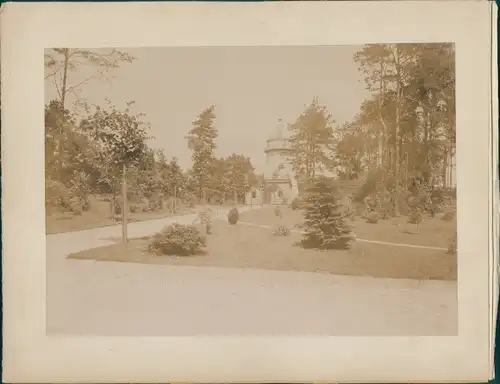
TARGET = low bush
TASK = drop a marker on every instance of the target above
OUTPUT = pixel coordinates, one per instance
(452, 247)
(177, 239)
(76, 205)
(60, 198)
(448, 215)
(371, 204)
(277, 212)
(281, 230)
(372, 217)
(296, 204)
(233, 216)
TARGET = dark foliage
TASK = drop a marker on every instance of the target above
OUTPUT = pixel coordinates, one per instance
(233, 216)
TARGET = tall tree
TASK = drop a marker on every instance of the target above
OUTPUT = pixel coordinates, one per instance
(201, 141)
(66, 149)
(312, 140)
(238, 175)
(175, 181)
(411, 110)
(120, 138)
(60, 63)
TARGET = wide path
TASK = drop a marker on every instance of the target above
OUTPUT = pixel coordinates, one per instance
(122, 299)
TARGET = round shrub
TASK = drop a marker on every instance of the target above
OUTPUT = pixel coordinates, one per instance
(177, 239)
(233, 216)
(281, 230)
(76, 205)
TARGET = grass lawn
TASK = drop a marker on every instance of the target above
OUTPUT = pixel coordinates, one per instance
(68, 222)
(99, 215)
(243, 246)
(432, 232)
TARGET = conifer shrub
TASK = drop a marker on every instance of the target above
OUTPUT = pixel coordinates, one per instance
(177, 239)
(281, 230)
(416, 208)
(326, 224)
(372, 217)
(233, 216)
(415, 216)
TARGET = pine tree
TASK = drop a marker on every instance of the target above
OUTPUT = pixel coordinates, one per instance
(326, 224)
(201, 141)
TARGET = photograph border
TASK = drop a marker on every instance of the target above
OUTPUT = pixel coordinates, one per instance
(31, 356)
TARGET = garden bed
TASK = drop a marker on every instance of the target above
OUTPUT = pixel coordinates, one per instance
(242, 246)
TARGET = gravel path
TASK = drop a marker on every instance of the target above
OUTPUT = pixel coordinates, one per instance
(121, 299)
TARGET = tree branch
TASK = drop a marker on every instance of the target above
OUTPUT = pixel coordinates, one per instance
(52, 74)
(68, 89)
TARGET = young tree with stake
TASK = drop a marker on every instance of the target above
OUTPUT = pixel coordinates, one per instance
(121, 141)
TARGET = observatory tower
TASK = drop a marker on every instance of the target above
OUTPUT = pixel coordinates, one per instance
(279, 175)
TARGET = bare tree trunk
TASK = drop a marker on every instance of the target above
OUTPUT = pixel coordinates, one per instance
(65, 77)
(113, 203)
(445, 168)
(162, 202)
(174, 204)
(125, 206)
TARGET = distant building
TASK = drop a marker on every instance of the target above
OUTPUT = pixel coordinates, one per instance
(278, 175)
(279, 178)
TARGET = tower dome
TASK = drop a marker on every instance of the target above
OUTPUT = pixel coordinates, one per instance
(279, 132)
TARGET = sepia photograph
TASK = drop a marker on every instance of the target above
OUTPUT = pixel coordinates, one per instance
(251, 190)
(284, 191)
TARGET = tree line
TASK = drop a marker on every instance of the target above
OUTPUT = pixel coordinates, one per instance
(404, 131)
(108, 150)
(104, 149)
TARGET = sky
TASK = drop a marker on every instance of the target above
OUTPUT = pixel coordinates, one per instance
(251, 87)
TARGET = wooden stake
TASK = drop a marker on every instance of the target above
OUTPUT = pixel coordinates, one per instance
(125, 205)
